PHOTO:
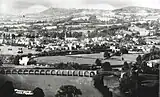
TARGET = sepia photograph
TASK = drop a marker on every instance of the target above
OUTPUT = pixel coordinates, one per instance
(79, 48)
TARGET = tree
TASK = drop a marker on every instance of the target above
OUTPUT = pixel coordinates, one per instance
(38, 92)
(129, 83)
(142, 41)
(77, 34)
(154, 49)
(124, 51)
(19, 35)
(117, 53)
(128, 37)
(11, 59)
(99, 85)
(16, 60)
(1, 62)
(125, 66)
(6, 29)
(30, 55)
(68, 91)
(92, 18)
(7, 89)
(98, 62)
(106, 66)
(139, 59)
(106, 54)
(98, 81)
(31, 62)
(13, 36)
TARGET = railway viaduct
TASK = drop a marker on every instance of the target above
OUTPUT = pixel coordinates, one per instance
(55, 72)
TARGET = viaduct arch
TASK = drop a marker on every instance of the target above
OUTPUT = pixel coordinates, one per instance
(55, 72)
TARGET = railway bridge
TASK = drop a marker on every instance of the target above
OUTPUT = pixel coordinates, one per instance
(55, 72)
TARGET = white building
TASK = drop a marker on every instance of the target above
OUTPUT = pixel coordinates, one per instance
(24, 61)
(25, 41)
(50, 27)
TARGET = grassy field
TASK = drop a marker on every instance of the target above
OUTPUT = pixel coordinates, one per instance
(80, 58)
(4, 50)
(50, 84)
(86, 59)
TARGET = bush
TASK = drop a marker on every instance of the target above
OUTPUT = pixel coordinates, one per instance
(125, 66)
(38, 92)
(139, 59)
(16, 60)
(107, 54)
(30, 62)
(68, 91)
(1, 62)
(98, 62)
(106, 66)
(124, 51)
(39, 49)
(30, 55)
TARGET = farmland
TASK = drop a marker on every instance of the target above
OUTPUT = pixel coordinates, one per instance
(80, 58)
(4, 50)
(86, 59)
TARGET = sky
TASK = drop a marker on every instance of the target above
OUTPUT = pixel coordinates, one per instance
(35, 6)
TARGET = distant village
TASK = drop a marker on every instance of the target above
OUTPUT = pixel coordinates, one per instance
(78, 34)
(91, 34)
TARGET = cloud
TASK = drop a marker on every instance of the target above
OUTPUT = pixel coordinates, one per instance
(66, 3)
(79, 4)
(114, 3)
(148, 3)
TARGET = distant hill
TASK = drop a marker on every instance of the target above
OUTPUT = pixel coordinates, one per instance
(72, 11)
(59, 11)
(136, 9)
(56, 13)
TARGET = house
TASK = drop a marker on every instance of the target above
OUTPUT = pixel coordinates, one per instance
(152, 63)
(143, 31)
(119, 36)
(74, 26)
(24, 61)
(37, 41)
(1, 41)
(149, 64)
(70, 46)
(114, 48)
(70, 39)
(49, 27)
(23, 40)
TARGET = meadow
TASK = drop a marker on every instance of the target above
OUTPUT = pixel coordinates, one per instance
(86, 59)
(14, 50)
(50, 84)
